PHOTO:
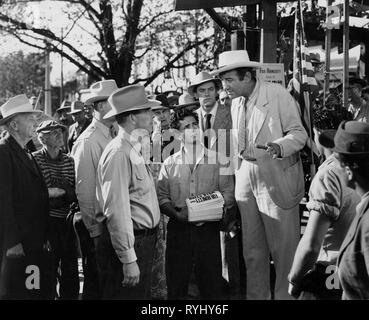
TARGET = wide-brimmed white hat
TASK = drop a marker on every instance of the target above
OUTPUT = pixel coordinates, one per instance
(76, 107)
(15, 105)
(202, 78)
(129, 98)
(230, 60)
(64, 106)
(101, 91)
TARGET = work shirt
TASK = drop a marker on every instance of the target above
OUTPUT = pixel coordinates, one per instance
(126, 194)
(86, 152)
(176, 182)
(330, 196)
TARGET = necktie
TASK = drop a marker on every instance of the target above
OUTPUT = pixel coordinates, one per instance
(242, 129)
(207, 126)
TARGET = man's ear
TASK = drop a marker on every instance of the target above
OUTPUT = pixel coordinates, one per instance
(350, 173)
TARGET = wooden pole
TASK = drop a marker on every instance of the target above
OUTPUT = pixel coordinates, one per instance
(61, 72)
(328, 42)
(47, 82)
(346, 42)
(268, 46)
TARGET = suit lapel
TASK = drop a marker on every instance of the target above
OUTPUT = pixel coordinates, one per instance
(198, 111)
(21, 154)
(221, 121)
(260, 111)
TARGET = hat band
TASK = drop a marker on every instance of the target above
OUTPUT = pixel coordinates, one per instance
(351, 143)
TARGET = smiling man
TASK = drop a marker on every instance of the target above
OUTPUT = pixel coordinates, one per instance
(269, 181)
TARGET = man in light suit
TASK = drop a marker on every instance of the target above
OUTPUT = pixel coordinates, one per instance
(216, 123)
(269, 176)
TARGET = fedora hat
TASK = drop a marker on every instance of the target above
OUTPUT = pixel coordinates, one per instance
(129, 98)
(16, 105)
(77, 106)
(65, 105)
(229, 60)
(101, 91)
(186, 100)
(352, 137)
(202, 78)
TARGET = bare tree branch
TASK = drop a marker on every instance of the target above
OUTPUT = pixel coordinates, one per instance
(152, 20)
(47, 33)
(170, 63)
(141, 55)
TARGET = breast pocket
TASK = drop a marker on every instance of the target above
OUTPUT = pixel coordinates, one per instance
(142, 181)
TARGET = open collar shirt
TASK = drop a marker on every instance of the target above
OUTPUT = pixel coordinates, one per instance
(86, 153)
(177, 182)
(126, 194)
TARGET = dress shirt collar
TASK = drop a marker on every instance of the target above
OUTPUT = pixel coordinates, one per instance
(131, 139)
(363, 202)
(213, 112)
(254, 92)
(102, 127)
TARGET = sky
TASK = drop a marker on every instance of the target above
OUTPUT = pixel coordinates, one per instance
(55, 20)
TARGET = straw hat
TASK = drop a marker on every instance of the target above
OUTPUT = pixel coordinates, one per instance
(129, 98)
(201, 78)
(230, 60)
(16, 105)
(77, 106)
(65, 105)
(101, 91)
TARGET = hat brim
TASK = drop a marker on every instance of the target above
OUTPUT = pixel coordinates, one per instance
(232, 66)
(161, 107)
(191, 88)
(184, 105)
(95, 98)
(75, 111)
(63, 108)
(4, 120)
(52, 128)
(148, 105)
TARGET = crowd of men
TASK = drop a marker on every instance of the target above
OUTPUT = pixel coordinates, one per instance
(113, 188)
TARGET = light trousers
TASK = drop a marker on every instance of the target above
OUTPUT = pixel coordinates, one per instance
(267, 230)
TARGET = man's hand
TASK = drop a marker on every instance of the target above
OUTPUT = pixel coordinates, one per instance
(56, 192)
(15, 252)
(131, 274)
(294, 290)
(182, 215)
(274, 150)
(47, 246)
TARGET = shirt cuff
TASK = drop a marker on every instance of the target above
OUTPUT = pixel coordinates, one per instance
(127, 256)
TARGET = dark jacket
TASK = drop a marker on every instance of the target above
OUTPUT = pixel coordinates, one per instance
(353, 260)
(24, 201)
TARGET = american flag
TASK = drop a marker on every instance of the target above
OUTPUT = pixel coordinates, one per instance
(304, 85)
